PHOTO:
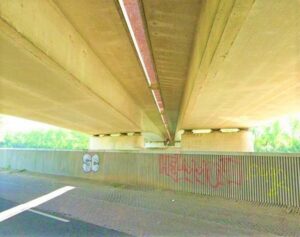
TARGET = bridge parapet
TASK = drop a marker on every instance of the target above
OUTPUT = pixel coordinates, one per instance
(265, 178)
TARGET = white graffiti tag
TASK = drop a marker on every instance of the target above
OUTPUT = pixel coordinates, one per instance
(90, 163)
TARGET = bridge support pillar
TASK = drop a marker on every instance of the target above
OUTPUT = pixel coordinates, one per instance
(241, 141)
(122, 142)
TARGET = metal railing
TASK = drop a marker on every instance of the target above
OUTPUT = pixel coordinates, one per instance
(257, 177)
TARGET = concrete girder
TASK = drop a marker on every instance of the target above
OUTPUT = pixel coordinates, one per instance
(171, 27)
(122, 142)
(237, 62)
(56, 56)
(245, 64)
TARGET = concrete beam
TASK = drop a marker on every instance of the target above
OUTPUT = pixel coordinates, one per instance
(241, 141)
(171, 26)
(52, 74)
(244, 66)
(122, 142)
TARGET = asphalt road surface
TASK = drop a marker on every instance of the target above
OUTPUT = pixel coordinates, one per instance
(35, 224)
(96, 209)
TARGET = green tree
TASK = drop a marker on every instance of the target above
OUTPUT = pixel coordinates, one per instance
(49, 139)
(274, 139)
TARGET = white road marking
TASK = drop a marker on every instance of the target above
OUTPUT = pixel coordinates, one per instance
(48, 215)
(31, 204)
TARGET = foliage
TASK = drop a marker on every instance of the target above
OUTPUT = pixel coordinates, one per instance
(274, 138)
(48, 139)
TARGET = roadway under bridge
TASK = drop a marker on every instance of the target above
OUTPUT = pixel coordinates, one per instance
(109, 193)
(134, 71)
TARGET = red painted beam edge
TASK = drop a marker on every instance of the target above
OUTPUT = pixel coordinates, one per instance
(133, 12)
(136, 20)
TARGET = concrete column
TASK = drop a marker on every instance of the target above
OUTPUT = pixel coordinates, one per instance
(122, 142)
(241, 141)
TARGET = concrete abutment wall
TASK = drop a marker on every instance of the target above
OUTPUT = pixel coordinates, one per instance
(241, 141)
(116, 143)
(264, 178)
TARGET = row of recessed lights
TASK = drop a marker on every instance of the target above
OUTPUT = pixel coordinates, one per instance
(223, 130)
(118, 134)
(134, 20)
(194, 131)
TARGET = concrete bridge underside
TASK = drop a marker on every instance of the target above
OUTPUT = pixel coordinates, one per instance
(218, 63)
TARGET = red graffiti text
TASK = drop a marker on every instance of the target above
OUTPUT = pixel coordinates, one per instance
(212, 172)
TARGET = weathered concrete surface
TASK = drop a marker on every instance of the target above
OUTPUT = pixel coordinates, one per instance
(270, 179)
(241, 141)
(245, 64)
(220, 64)
(54, 68)
(143, 212)
(171, 26)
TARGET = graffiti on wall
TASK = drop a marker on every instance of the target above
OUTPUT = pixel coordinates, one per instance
(216, 173)
(273, 177)
(90, 163)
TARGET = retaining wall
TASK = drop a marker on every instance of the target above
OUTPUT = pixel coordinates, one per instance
(264, 178)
